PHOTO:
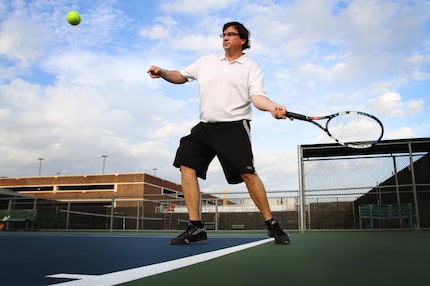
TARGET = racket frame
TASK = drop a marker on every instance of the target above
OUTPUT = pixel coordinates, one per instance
(356, 145)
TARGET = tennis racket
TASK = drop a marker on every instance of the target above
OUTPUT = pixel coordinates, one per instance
(354, 129)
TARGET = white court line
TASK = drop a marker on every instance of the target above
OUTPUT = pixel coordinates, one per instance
(128, 275)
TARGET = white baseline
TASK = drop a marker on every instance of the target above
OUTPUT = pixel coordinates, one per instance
(115, 278)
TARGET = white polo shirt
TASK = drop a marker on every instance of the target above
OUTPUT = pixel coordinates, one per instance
(225, 87)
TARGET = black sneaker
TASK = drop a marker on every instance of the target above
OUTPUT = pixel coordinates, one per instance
(191, 234)
(274, 230)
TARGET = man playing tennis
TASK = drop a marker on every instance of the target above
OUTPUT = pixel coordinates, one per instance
(227, 87)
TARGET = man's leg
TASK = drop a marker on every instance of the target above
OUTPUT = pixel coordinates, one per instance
(258, 194)
(191, 190)
(196, 229)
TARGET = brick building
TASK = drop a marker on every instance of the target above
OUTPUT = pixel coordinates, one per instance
(125, 189)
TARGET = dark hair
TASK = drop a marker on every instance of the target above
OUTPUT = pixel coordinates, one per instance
(243, 33)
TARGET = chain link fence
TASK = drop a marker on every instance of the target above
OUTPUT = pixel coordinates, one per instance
(383, 187)
(336, 183)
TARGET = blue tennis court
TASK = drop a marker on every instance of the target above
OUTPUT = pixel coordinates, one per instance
(248, 259)
(33, 258)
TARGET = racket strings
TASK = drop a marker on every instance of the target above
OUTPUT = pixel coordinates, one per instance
(355, 128)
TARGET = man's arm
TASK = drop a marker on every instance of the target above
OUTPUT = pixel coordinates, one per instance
(265, 104)
(172, 76)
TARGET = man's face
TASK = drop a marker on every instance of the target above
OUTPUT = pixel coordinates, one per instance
(231, 40)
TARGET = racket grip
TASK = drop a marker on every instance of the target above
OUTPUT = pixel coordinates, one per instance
(297, 116)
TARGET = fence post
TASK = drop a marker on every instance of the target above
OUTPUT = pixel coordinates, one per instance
(68, 215)
(216, 214)
(301, 213)
(414, 186)
(396, 180)
(137, 214)
(112, 213)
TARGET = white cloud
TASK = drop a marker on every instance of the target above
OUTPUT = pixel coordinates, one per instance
(72, 93)
(161, 29)
(196, 6)
(400, 133)
(391, 103)
(23, 39)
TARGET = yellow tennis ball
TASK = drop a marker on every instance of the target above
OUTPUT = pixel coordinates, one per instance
(73, 18)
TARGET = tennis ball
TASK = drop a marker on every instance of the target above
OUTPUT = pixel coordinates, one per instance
(73, 18)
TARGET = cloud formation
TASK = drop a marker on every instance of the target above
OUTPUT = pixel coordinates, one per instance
(70, 94)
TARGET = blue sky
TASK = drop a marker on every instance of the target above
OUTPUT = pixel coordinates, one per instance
(70, 94)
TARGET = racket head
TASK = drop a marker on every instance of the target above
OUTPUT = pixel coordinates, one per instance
(355, 129)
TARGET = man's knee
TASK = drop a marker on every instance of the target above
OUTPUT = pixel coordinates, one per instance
(187, 171)
(249, 177)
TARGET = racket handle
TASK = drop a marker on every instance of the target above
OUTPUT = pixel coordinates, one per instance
(297, 116)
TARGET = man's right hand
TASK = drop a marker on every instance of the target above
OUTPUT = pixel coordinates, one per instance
(154, 72)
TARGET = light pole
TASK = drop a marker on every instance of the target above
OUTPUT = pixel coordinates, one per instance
(104, 163)
(40, 166)
(155, 171)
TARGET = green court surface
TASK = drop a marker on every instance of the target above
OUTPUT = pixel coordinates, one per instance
(314, 258)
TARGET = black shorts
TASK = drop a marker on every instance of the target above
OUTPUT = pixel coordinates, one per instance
(229, 141)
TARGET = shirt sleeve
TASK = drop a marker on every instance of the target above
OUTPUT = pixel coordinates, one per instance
(256, 81)
(191, 71)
